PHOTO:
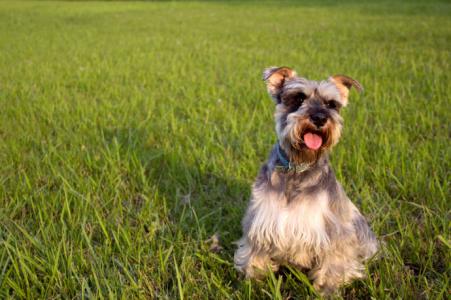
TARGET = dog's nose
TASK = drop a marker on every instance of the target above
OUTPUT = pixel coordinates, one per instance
(319, 119)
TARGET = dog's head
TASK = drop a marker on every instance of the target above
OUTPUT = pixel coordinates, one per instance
(308, 121)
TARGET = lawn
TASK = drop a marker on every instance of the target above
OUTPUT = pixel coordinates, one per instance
(132, 131)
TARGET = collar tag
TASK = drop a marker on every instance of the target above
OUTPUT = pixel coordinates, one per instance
(299, 168)
(288, 165)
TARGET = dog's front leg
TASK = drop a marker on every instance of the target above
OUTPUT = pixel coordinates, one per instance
(337, 266)
(253, 263)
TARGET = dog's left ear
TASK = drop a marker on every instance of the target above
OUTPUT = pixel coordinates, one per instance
(275, 78)
(344, 84)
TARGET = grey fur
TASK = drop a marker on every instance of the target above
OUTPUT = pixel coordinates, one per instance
(304, 219)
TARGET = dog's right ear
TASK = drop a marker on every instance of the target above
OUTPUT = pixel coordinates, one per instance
(275, 78)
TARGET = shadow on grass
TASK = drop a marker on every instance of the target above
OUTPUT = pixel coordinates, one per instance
(199, 202)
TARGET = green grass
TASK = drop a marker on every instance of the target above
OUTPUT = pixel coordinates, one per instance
(131, 132)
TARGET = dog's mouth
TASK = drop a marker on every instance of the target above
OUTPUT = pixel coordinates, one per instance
(313, 140)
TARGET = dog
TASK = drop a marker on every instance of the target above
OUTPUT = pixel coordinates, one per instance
(299, 214)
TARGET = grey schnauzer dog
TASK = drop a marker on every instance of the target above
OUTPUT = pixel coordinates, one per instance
(299, 213)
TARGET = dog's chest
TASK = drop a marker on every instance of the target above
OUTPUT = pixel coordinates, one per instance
(289, 224)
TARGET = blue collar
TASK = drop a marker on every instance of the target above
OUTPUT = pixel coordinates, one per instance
(286, 165)
(282, 156)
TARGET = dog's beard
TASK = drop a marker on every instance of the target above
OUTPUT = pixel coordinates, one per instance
(292, 136)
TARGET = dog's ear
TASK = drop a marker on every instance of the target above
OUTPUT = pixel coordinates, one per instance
(275, 77)
(344, 84)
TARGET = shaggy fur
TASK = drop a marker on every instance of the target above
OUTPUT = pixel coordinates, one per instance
(304, 218)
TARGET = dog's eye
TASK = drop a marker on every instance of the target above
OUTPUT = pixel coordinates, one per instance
(300, 98)
(293, 101)
(332, 104)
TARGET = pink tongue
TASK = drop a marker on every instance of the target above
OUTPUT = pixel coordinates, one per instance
(313, 141)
